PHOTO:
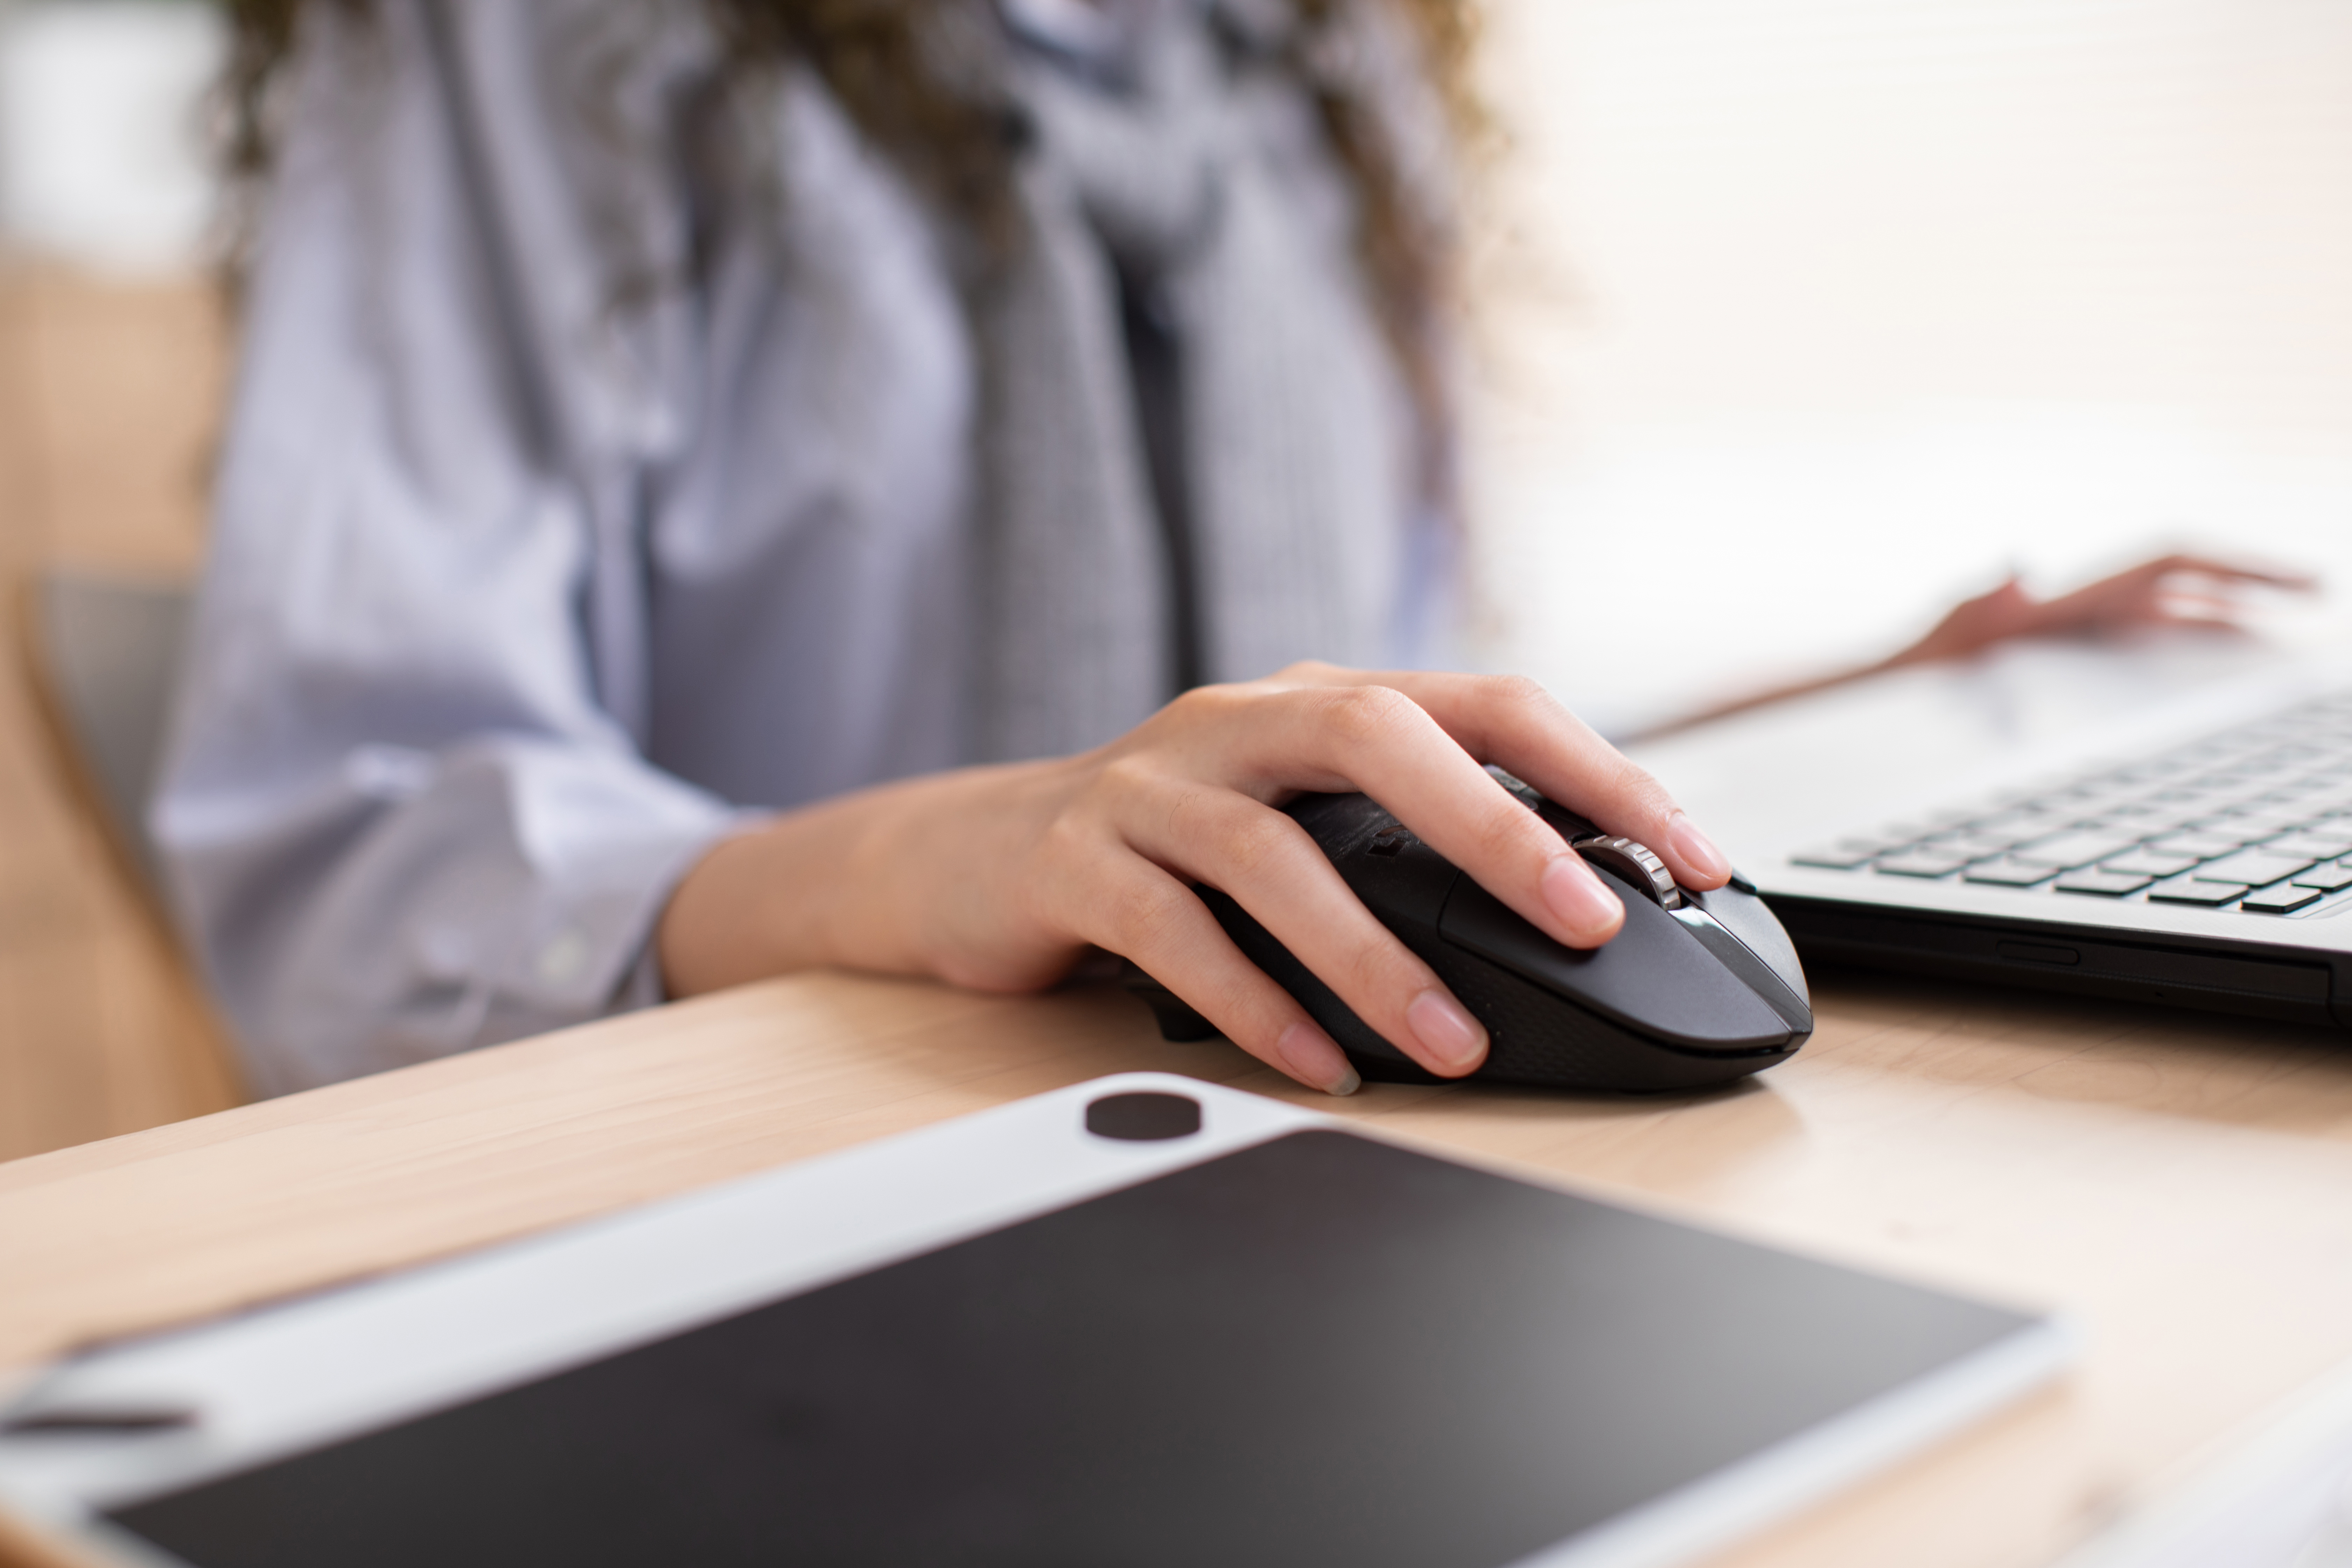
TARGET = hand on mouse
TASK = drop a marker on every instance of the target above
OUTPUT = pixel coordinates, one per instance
(1001, 877)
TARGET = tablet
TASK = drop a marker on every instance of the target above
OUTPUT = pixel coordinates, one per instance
(1144, 1321)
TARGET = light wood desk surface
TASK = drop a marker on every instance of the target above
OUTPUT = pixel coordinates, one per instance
(2182, 1184)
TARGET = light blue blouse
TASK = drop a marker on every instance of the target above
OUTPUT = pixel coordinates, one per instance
(571, 512)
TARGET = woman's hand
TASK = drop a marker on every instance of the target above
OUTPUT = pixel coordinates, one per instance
(2169, 590)
(1002, 878)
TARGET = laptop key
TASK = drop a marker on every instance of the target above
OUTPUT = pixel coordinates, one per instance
(2017, 822)
(2327, 879)
(2245, 828)
(2107, 884)
(1919, 863)
(1974, 847)
(2254, 867)
(2209, 895)
(2316, 848)
(1832, 859)
(2010, 874)
(2149, 863)
(2280, 901)
(2066, 849)
(2204, 845)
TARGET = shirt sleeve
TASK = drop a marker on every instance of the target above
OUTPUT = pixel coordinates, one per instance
(406, 811)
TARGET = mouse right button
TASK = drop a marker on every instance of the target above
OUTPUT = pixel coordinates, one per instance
(1745, 916)
(1652, 976)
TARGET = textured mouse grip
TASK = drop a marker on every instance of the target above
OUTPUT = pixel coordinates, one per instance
(1545, 1042)
(1180, 1023)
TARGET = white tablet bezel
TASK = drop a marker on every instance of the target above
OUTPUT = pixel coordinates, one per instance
(304, 1373)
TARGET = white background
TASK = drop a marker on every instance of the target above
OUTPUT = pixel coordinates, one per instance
(1811, 315)
(1801, 317)
(102, 159)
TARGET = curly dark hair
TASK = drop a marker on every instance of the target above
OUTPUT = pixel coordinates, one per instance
(885, 62)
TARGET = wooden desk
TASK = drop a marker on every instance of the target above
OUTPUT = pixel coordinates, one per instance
(2182, 1184)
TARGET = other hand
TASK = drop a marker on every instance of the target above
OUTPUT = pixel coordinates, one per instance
(2169, 590)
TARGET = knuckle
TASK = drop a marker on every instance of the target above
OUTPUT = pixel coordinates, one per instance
(1367, 715)
(1256, 841)
(1190, 819)
(1067, 853)
(1507, 829)
(1382, 971)
(1126, 778)
(1520, 690)
(1634, 782)
(1193, 701)
(1150, 915)
(1212, 705)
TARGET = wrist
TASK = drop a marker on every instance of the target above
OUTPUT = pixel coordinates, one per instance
(917, 877)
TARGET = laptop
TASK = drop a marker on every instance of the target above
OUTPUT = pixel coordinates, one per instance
(2198, 857)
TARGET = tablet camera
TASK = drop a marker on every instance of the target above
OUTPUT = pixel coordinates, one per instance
(1145, 1117)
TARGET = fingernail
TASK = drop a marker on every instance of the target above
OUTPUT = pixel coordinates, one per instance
(1447, 1033)
(1696, 849)
(1315, 1058)
(1573, 891)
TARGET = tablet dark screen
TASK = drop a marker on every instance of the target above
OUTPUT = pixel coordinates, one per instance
(1320, 1350)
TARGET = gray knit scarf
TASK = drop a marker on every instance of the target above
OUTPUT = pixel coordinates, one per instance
(1189, 280)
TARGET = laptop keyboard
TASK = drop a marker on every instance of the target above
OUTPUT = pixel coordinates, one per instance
(2256, 819)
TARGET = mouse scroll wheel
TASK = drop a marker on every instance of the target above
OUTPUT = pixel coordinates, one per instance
(1635, 864)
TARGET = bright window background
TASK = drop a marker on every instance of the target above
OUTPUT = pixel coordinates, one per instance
(1803, 317)
(1811, 315)
(102, 160)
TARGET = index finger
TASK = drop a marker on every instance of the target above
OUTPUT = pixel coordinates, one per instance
(2228, 571)
(1330, 728)
(1514, 721)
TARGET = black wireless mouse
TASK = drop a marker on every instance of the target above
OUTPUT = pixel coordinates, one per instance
(1697, 989)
